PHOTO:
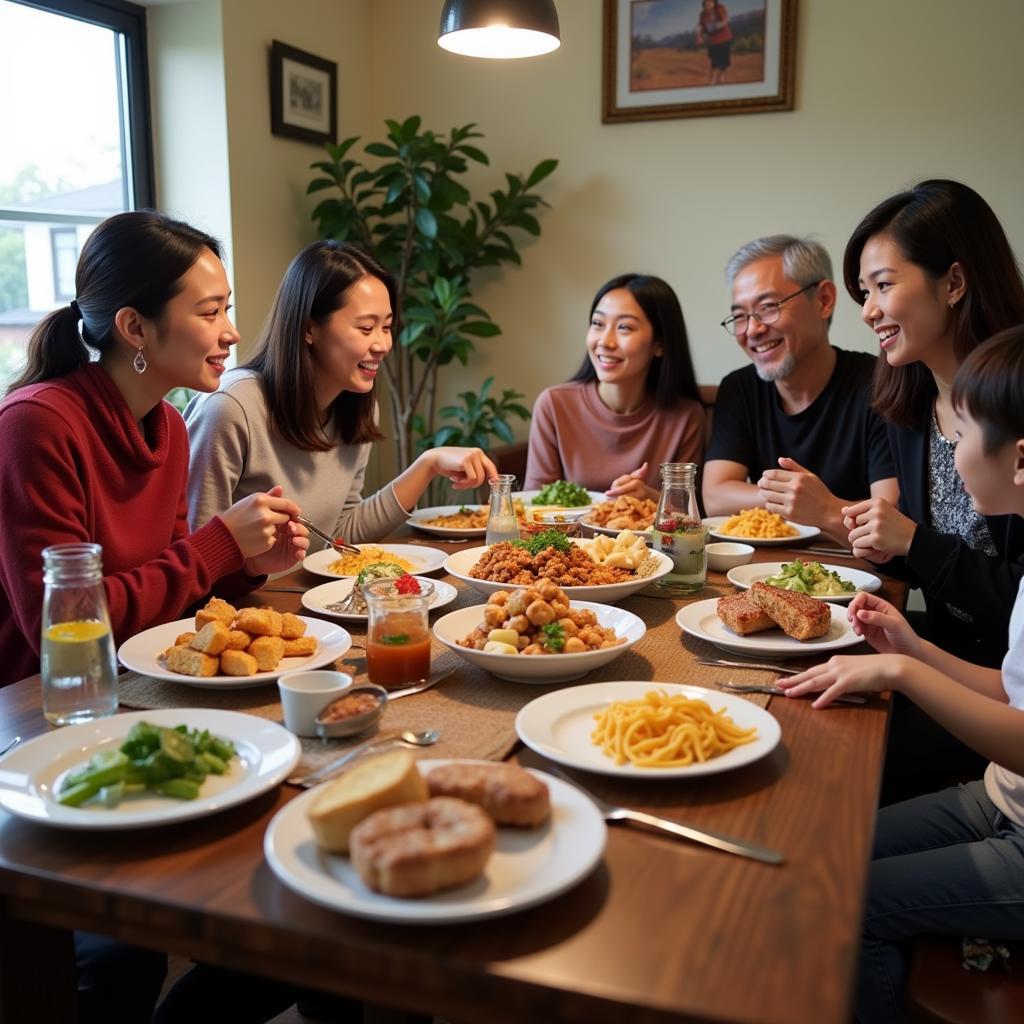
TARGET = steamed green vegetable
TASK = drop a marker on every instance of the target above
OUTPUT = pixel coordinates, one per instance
(562, 493)
(171, 762)
(810, 578)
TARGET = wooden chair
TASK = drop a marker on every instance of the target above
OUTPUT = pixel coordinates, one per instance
(940, 991)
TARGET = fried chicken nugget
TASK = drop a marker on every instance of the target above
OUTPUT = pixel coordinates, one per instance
(238, 640)
(237, 663)
(258, 621)
(300, 647)
(212, 638)
(190, 662)
(183, 639)
(215, 610)
(268, 651)
(292, 627)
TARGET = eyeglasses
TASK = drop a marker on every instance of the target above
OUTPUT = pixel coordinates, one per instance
(766, 313)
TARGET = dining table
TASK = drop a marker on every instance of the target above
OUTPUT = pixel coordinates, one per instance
(661, 930)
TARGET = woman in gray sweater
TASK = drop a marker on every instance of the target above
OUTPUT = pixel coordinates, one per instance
(302, 411)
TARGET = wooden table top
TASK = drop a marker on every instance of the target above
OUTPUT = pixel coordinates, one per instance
(660, 931)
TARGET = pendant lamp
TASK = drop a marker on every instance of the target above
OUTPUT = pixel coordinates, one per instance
(499, 28)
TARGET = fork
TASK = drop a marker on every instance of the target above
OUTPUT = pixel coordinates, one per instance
(846, 698)
(760, 666)
(612, 813)
(338, 545)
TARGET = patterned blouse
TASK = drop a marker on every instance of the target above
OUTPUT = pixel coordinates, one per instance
(950, 505)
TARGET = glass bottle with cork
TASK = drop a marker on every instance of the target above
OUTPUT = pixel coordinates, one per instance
(678, 531)
(501, 521)
(77, 661)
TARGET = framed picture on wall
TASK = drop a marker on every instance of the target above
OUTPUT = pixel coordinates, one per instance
(303, 95)
(697, 58)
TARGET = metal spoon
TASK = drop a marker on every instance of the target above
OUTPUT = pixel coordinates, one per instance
(426, 738)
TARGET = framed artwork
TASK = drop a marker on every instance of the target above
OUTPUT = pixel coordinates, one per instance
(303, 95)
(697, 58)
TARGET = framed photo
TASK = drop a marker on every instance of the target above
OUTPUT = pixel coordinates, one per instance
(697, 58)
(303, 95)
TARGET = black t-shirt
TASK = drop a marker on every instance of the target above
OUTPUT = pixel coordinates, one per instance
(837, 436)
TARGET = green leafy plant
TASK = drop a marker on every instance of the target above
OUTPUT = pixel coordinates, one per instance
(411, 211)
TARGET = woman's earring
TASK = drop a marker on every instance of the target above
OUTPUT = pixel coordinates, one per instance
(139, 362)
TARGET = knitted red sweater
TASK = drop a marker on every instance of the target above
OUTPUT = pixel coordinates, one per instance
(75, 467)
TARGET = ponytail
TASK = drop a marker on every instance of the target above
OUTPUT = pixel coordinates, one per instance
(54, 350)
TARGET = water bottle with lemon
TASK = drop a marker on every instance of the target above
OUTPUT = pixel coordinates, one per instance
(78, 664)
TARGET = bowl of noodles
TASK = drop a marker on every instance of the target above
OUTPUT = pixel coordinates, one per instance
(668, 730)
(413, 558)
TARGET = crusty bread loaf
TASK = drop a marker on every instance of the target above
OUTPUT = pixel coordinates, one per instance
(382, 781)
(416, 849)
(800, 616)
(742, 614)
(510, 795)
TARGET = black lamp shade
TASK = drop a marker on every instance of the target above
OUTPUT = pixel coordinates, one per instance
(499, 28)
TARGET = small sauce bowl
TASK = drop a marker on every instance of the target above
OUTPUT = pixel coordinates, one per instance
(726, 555)
(356, 711)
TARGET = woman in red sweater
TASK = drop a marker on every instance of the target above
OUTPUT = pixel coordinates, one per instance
(91, 451)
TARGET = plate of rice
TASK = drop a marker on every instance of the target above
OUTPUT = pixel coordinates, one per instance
(413, 558)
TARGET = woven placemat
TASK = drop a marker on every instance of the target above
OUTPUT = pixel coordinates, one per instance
(474, 711)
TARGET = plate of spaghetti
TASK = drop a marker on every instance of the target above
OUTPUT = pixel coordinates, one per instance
(647, 730)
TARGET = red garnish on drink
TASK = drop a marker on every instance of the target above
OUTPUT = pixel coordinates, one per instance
(407, 584)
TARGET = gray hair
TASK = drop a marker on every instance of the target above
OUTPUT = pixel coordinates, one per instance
(803, 260)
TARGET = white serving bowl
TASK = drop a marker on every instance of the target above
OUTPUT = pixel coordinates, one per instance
(459, 564)
(540, 668)
(727, 555)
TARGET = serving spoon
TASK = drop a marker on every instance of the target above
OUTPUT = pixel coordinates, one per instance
(424, 738)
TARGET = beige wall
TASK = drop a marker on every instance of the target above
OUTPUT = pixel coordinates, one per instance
(887, 93)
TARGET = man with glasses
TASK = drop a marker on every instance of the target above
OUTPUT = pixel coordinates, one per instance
(794, 432)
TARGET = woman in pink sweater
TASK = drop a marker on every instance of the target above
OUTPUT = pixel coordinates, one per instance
(631, 406)
(91, 451)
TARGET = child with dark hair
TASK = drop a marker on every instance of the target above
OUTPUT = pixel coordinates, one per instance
(303, 409)
(951, 862)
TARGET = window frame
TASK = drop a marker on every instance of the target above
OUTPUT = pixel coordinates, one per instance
(56, 232)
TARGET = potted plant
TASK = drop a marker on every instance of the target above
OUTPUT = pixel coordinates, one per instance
(411, 211)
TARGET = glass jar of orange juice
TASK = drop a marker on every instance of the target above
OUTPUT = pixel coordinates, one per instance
(397, 632)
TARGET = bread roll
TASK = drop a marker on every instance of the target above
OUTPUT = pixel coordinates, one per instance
(382, 781)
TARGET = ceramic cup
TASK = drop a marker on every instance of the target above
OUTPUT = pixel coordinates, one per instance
(305, 693)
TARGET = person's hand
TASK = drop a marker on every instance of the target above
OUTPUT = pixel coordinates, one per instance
(633, 485)
(263, 523)
(878, 530)
(849, 674)
(796, 493)
(882, 626)
(464, 467)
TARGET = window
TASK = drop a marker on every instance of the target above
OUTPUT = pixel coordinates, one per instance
(75, 125)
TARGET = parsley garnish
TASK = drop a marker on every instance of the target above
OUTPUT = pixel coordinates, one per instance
(394, 639)
(554, 636)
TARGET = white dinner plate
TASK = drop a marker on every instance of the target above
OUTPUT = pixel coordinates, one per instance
(317, 599)
(527, 867)
(422, 559)
(460, 563)
(701, 619)
(31, 774)
(802, 533)
(546, 668)
(142, 651)
(418, 521)
(613, 531)
(743, 576)
(558, 725)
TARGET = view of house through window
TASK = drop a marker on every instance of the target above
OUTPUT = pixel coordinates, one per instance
(67, 162)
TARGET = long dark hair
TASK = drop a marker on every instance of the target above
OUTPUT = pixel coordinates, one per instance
(936, 224)
(670, 375)
(313, 288)
(990, 385)
(132, 259)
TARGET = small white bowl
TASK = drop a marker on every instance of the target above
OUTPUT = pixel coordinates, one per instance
(546, 668)
(727, 555)
(304, 693)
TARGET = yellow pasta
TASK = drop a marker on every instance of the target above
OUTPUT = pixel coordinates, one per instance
(352, 565)
(757, 523)
(660, 731)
